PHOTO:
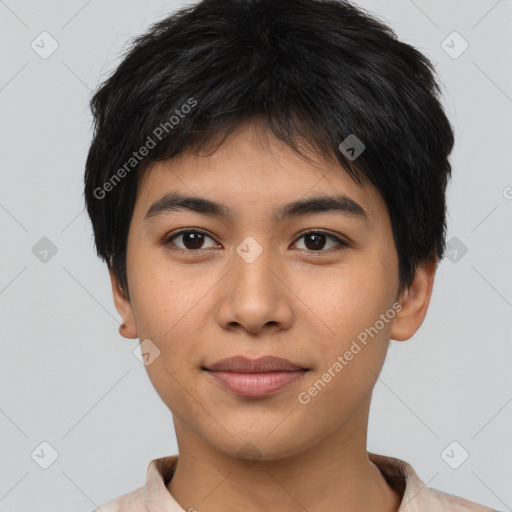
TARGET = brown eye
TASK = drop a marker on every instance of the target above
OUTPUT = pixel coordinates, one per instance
(191, 239)
(317, 241)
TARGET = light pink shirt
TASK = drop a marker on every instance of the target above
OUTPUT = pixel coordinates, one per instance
(155, 497)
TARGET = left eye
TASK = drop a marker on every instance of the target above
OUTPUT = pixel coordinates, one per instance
(317, 242)
(193, 240)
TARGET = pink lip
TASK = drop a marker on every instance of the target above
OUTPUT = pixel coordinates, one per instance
(255, 377)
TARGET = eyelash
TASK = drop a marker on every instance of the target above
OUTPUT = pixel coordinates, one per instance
(342, 244)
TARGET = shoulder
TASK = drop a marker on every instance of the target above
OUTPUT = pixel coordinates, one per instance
(443, 501)
(416, 496)
(152, 494)
(129, 502)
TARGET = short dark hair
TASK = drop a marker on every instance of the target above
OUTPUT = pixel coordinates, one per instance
(314, 71)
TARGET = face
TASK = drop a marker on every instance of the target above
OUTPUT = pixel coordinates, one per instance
(314, 286)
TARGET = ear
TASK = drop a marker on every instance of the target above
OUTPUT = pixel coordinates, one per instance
(414, 301)
(127, 329)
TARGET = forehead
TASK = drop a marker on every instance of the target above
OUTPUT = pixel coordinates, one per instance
(251, 171)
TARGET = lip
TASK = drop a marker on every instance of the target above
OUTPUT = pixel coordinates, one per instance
(265, 364)
(253, 378)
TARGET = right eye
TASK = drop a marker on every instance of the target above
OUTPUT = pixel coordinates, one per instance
(192, 239)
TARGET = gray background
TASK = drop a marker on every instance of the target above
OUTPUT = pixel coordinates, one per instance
(69, 379)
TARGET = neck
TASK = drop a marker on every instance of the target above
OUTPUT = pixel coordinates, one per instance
(328, 473)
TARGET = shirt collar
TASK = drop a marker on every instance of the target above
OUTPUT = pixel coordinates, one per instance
(399, 475)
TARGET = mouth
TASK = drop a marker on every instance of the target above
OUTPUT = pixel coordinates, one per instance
(254, 378)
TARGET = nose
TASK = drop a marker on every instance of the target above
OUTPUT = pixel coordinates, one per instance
(255, 296)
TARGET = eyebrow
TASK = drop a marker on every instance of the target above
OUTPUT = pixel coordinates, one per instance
(174, 201)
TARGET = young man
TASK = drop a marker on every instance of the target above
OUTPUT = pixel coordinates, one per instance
(267, 186)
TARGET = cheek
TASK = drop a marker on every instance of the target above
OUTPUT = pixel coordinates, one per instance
(347, 367)
(170, 309)
(354, 298)
(163, 297)
(358, 310)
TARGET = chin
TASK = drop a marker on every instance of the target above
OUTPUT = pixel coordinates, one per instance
(256, 444)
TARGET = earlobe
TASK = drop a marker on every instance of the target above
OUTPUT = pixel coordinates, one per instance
(127, 329)
(414, 302)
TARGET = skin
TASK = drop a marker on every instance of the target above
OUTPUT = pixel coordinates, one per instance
(293, 301)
